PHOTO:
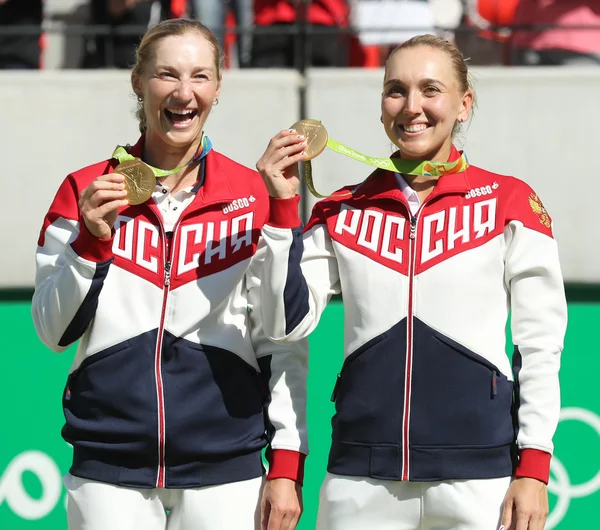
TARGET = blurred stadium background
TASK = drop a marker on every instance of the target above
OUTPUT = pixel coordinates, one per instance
(539, 123)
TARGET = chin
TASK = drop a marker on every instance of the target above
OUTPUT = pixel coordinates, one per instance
(181, 138)
(418, 150)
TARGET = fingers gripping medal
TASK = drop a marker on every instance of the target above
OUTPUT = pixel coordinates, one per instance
(139, 180)
(316, 141)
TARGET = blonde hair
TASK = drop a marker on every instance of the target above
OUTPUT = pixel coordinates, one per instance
(168, 28)
(459, 63)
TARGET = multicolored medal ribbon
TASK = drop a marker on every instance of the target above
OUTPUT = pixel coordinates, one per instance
(317, 139)
(140, 178)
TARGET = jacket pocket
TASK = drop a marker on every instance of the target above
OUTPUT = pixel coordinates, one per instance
(369, 391)
(458, 397)
(495, 372)
(347, 365)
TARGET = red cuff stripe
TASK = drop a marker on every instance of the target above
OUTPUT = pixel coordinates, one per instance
(534, 463)
(283, 213)
(90, 247)
(284, 463)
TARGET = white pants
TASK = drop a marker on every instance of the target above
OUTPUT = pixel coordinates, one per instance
(99, 506)
(358, 503)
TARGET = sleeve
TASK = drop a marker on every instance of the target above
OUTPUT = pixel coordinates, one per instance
(71, 265)
(538, 324)
(300, 273)
(284, 370)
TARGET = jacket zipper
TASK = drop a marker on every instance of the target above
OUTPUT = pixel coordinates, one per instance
(412, 253)
(167, 249)
(168, 253)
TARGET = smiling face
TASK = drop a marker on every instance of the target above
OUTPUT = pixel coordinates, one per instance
(178, 84)
(421, 102)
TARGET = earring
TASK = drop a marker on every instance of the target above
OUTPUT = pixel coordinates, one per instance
(215, 102)
(140, 99)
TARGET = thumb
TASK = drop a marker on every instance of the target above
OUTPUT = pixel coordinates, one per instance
(506, 519)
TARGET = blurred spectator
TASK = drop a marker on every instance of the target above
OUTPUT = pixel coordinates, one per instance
(128, 21)
(326, 44)
(448, 15)
(20, 51)
(568, 43)
(484, 30)
(391, 22)
(381, 25)
(212, 13)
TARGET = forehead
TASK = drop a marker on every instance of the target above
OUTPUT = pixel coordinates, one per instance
(184, 50)
(409, 65)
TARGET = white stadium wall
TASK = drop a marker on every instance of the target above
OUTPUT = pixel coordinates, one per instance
(537, 124)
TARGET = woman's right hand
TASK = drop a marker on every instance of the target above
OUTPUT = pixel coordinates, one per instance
(279, 164)
(99, 204)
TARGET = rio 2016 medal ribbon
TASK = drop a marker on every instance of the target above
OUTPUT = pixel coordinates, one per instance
(317, 139)
(140, 178)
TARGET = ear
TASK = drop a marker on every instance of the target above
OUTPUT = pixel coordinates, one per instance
(136, 85)
(218, 93)
(465, 107)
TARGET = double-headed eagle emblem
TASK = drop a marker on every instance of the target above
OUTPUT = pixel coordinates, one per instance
(539, 210)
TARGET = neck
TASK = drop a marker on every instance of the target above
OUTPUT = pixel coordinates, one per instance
(159, 154)
(424, 182)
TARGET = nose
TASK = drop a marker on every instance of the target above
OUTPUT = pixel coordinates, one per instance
(184, 91)
(412, 103)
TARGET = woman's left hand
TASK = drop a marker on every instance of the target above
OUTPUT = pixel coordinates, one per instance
(525, 505)
(281, 504)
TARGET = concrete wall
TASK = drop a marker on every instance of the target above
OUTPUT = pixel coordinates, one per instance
(539, 125)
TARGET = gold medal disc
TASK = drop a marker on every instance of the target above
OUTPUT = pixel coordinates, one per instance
(139, 180)
(316, 136)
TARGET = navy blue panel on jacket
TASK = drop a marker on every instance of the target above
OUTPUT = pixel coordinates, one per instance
(88, 307)
(295, 294)
(221, 444)
(462, 428)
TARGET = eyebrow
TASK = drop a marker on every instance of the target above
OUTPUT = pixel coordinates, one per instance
(426, 81)
(173, 68)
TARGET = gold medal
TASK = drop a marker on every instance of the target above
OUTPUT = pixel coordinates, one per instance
(139, 180)
(315, 134)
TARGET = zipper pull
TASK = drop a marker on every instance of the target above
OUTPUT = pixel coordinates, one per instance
(413, 227)
(494, 385)
(335, 389)
(167, 274)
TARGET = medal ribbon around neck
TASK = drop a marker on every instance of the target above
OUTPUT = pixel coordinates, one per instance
(317, 139)
(122, 155)
(140, 178)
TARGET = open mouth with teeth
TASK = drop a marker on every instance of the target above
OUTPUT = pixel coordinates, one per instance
(414, 127)
(180, 116)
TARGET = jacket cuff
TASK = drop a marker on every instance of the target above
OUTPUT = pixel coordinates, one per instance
(283, 213)
(534, 463)
(284, 463)
(90, 247)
